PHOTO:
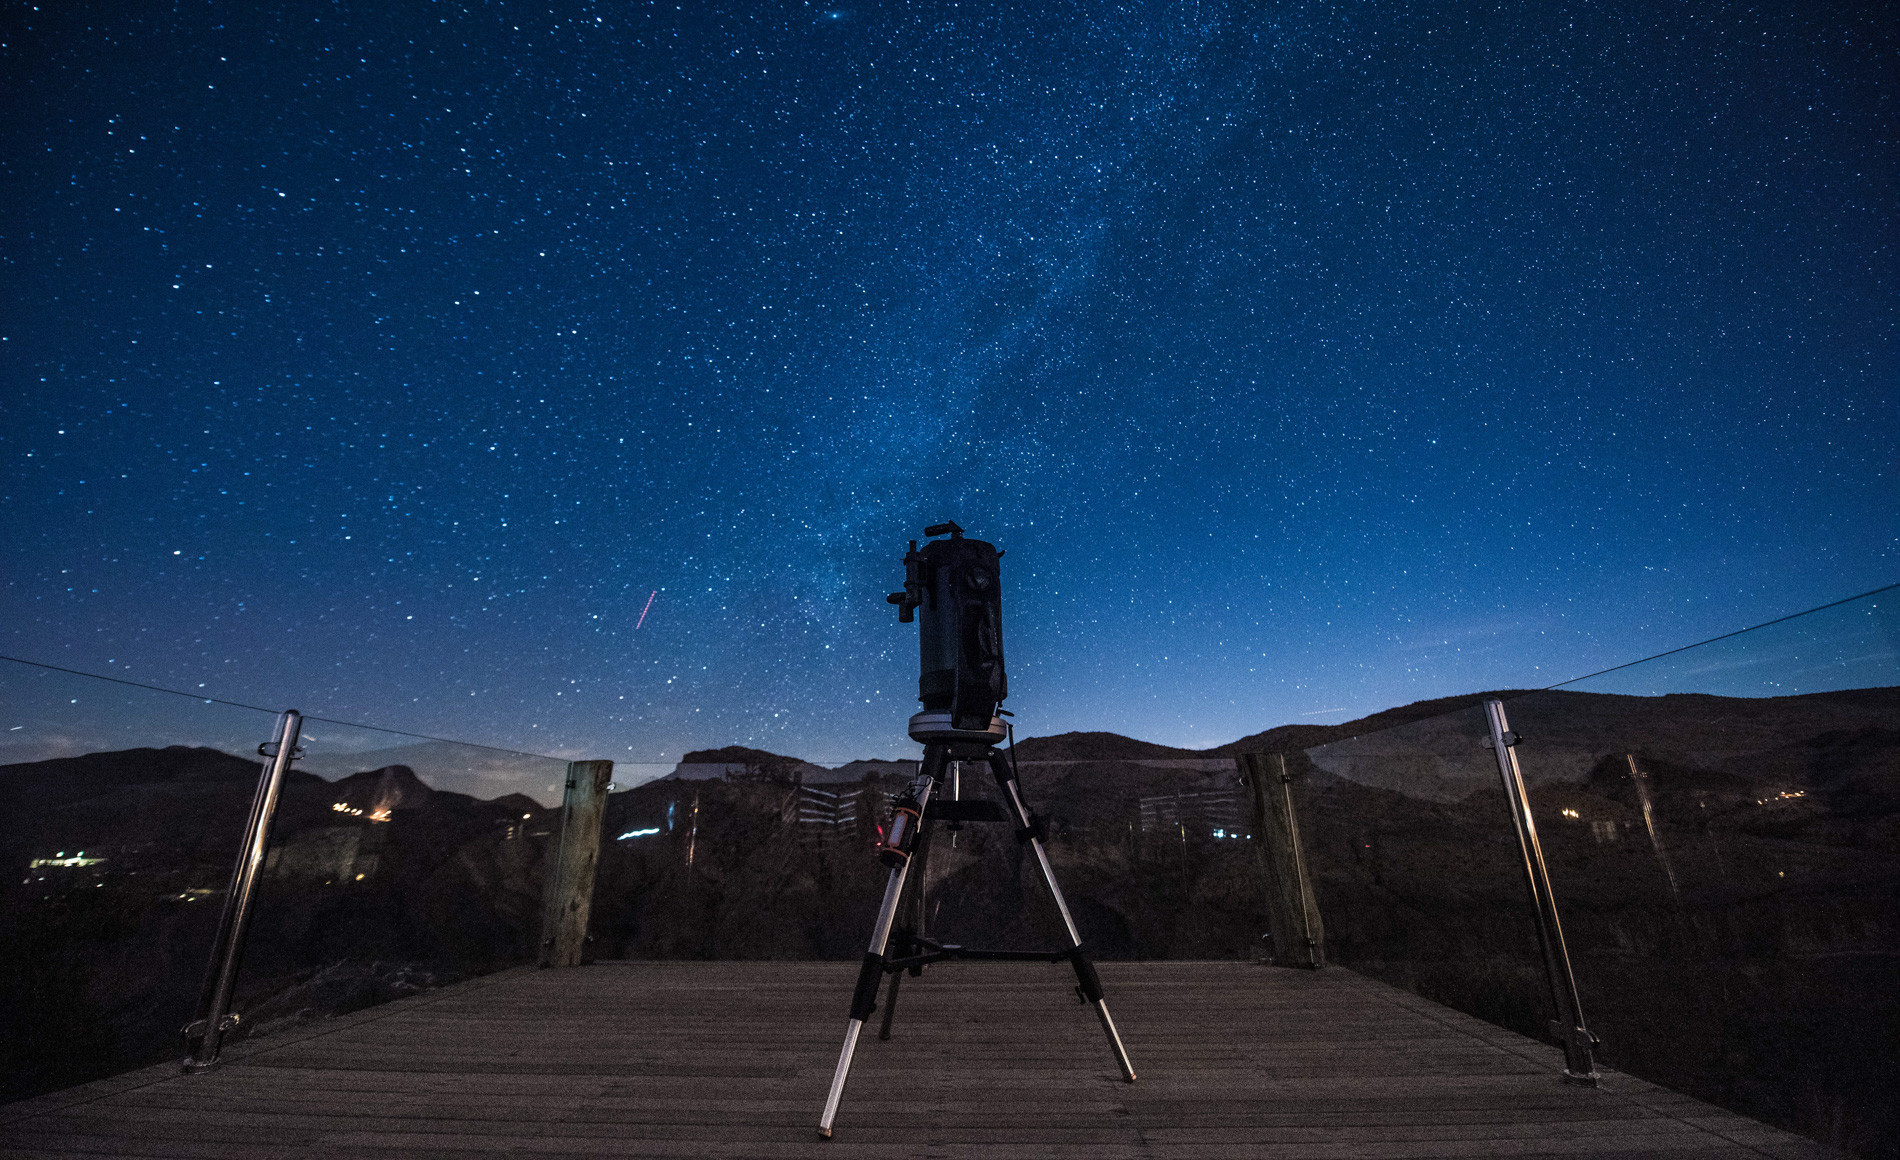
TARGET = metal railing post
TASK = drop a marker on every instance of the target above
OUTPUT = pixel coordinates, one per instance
(1568, 1026)
(204, 1035)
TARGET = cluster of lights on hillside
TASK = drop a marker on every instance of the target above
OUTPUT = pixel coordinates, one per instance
(60, 859)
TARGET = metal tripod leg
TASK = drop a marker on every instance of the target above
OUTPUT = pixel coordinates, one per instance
(920, 862)
(1088, 983)
(871, 974)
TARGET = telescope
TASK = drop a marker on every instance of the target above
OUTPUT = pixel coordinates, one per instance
(953, 592)
(956, 586)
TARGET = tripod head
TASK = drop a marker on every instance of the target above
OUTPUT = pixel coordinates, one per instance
(956, 585)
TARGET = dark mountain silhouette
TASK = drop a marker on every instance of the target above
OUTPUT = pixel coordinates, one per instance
(1288, 738)
(1095, 747)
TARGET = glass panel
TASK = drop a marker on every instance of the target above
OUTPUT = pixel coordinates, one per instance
(1152, 855)
(121, 813)
(396, 865)
(761, 859)
(1417, 868)
(1853, 645)
(1726, 861)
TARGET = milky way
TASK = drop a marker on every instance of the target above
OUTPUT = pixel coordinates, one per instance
(1304, 361)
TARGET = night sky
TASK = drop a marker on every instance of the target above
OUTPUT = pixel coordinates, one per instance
(382, 359)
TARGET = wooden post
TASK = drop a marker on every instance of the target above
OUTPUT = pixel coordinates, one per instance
(1299, 938)
(568, 895)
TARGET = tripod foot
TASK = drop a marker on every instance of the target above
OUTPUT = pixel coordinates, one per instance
(1115, 1041)
(843, 1073)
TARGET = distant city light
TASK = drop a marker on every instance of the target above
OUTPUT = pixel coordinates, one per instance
(637, 834)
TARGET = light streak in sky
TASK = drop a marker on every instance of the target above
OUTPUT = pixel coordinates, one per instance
(643, 611)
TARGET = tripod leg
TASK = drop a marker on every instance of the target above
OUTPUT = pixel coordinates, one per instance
(906, 936)
(871, 974)
(1088, 983)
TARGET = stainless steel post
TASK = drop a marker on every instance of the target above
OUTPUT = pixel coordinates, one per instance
(1568, 1026)
(871, 974)
(204, 1036)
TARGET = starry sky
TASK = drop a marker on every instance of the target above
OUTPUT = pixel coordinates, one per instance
(393, 360)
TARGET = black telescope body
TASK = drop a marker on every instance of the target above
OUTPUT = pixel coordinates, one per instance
(955, 589)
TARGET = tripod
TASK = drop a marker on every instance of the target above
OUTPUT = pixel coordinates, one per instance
(908, 843)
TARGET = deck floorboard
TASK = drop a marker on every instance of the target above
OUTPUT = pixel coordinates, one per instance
(991, 1061)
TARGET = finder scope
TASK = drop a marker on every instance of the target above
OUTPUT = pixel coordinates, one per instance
(956, 586)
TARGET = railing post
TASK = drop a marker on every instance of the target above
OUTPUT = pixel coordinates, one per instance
(204, 1035)
(1299, 938)
(1568, 1026)
(568, 896)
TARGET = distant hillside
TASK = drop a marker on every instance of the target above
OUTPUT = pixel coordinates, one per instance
(1096, 747)
(1686, 723)
(1287, 738)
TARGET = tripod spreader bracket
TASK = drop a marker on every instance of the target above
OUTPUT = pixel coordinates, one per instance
(1088, 984)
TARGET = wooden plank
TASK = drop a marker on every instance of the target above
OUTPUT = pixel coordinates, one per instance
(989, 1060)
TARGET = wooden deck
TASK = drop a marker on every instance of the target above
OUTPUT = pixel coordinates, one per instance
(989, 1060)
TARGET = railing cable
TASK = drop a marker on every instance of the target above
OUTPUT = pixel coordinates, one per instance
(260, 709)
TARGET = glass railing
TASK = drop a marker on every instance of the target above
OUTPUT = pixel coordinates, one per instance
(1718, 824)
(122, 814)
(1417, 868)
(1722, 827)
(396, 864)
(1719, 827)
(729, 860)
